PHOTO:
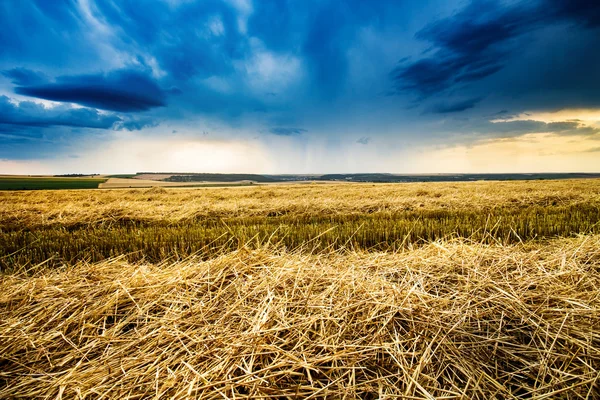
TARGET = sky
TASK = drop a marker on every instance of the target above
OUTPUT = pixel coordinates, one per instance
(299, 86)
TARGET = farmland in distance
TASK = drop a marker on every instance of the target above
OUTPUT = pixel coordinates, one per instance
(422, 290)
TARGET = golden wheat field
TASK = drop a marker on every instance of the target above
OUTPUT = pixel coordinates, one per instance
(472, 290)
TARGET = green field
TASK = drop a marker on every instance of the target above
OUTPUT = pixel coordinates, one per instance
(48, 183)
(124, 176)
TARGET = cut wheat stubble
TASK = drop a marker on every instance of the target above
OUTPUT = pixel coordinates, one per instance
(451, 319)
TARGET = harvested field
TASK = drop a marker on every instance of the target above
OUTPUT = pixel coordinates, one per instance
(475, 290)
(120, 183)
(152, 177)
(159, 223)
(448, 320)
(176, 205)
(126, 183)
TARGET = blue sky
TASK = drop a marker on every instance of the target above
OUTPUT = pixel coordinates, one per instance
(305, 86)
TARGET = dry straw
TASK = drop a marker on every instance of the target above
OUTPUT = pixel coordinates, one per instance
(448, 320)
(155, 224)
(91, 207)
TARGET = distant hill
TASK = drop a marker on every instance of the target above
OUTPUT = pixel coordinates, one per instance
(363, 177)
(451, 177)
(219, 178)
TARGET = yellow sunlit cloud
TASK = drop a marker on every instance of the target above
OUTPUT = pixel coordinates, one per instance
(591, 116)
(539, 152)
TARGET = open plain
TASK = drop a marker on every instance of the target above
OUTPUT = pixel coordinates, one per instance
(418, 290)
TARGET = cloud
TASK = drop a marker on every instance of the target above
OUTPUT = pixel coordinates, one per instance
(477, 130)
(456, 106)
(30, 130)
(521, 126)
(585, 12)
(233, 66)
(293, 49)
(477, 41)
(195, 39)
(44, 33)
(468, 47)
(27, 113)
(281, 131)
(24, 76)
(320, 33)
(136, 124)
(15, 116)
(563, 128)
(121, 90)
(586, 115)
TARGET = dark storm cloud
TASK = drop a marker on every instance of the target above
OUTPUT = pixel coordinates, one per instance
(17, 117)
(136, 124)
(123, 90)
(182, 43)
(477, 41)
(281, 131)
(271, 66)
(28, 113)
(585, 12)
(455, 106)
(24, 76)
(469, 46)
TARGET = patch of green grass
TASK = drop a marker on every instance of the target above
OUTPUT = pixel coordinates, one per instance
(124, 176)
(48, 183)
(219, 178)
